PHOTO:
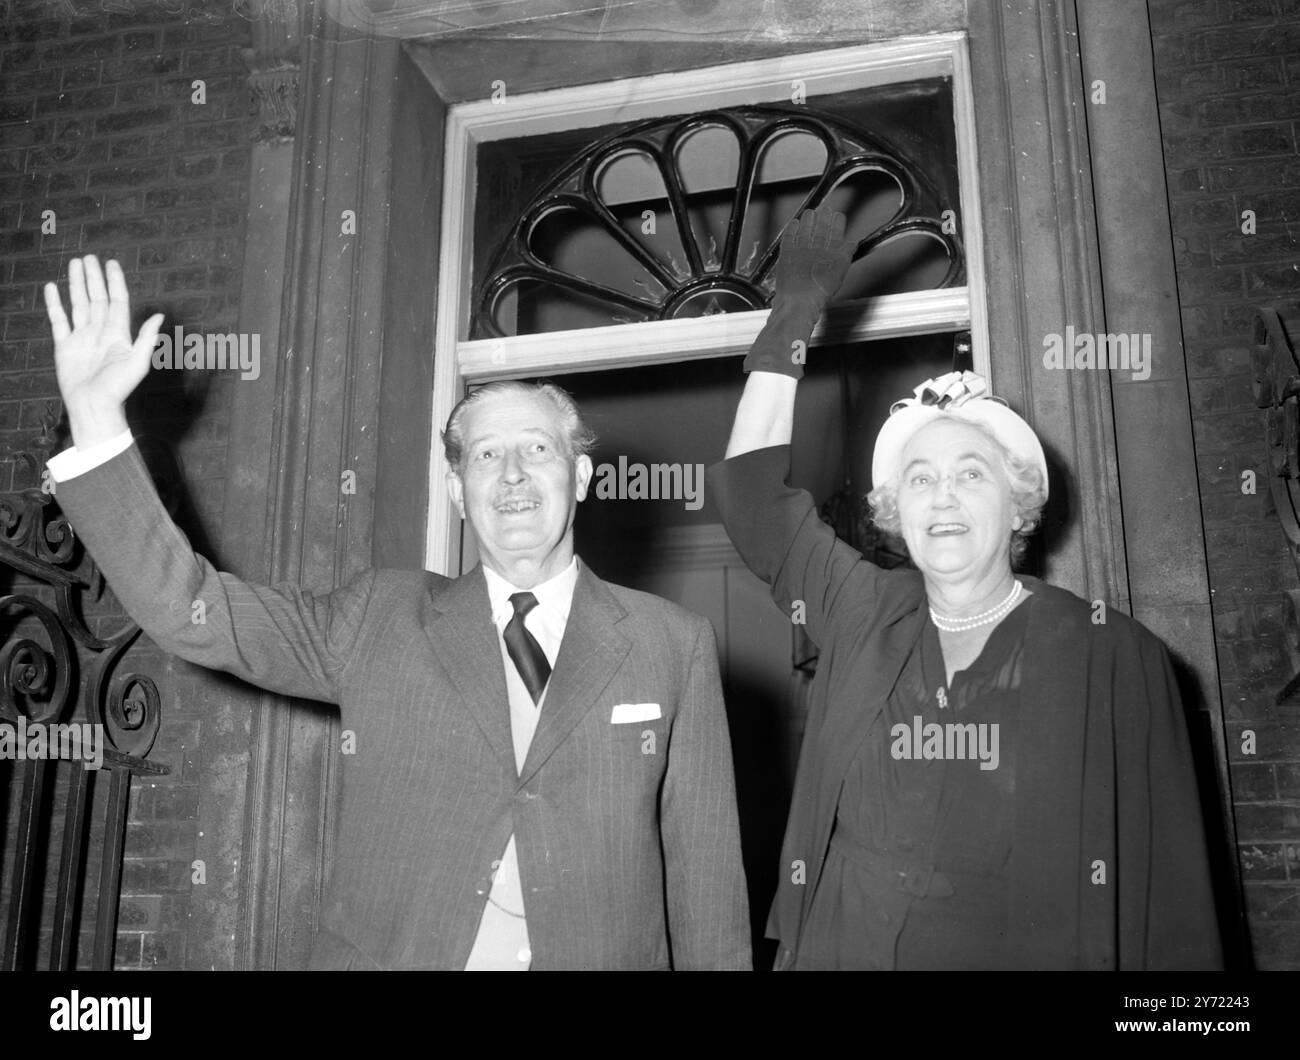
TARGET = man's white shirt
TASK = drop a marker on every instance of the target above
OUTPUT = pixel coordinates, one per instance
(502, 940)
(73, 462)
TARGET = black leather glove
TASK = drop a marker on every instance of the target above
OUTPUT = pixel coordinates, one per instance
(810, 267)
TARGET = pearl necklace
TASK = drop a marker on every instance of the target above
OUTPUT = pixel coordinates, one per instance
(961, 625)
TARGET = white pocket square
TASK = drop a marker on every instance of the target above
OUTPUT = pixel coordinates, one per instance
(625, 713)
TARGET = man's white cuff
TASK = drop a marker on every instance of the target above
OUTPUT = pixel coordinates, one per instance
(73, 462)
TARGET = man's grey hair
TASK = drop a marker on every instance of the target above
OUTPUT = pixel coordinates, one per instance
(580, 438)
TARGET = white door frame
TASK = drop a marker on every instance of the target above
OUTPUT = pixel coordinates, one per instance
(458, 361)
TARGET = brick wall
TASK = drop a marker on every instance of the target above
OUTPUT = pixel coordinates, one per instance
(99, 124)
(1228, 76)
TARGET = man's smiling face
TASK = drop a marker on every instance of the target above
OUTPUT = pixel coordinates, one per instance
(518, 486)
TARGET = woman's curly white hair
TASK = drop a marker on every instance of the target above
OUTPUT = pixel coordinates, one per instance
(1028, 494)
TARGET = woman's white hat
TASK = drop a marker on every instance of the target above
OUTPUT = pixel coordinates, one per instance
(962, 396)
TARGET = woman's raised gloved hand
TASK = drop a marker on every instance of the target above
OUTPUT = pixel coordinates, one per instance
(810, 267)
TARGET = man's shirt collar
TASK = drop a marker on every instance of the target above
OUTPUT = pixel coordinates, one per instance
(554, 595)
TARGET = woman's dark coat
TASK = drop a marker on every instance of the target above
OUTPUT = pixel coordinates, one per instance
(1109, 865)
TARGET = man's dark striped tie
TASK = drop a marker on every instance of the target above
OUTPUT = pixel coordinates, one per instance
(529, 659)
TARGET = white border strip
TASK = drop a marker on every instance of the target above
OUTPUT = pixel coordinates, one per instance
(690, 91)
(726, 334)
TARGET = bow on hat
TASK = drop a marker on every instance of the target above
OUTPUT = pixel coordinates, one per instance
(963, 396)
(943, 391)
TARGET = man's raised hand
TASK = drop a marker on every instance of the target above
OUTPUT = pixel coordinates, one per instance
(96, 363)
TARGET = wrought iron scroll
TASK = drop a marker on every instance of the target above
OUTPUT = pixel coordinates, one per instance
(1277, 391)
(40, 683)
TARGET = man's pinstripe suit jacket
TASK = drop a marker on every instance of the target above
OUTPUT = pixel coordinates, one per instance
(627, 834)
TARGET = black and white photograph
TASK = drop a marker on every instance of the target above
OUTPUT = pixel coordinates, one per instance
(650, 485)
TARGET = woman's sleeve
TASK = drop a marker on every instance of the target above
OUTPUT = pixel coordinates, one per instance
(778, 533)
(1160, 810)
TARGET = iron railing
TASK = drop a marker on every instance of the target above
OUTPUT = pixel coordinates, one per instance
(46, 649)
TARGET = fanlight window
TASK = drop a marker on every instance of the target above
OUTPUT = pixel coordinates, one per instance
(682, 217)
